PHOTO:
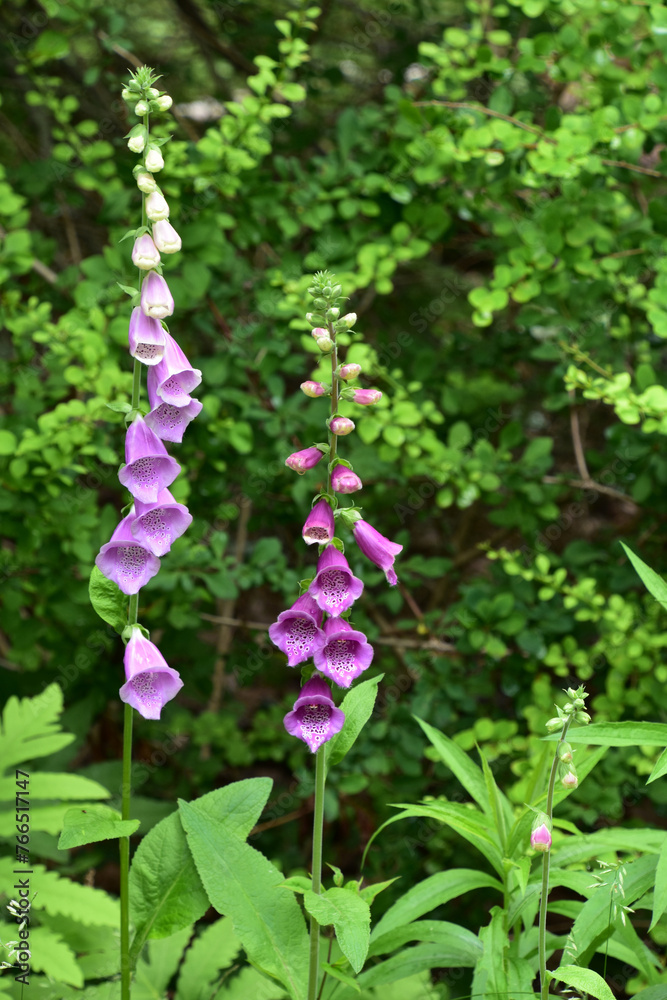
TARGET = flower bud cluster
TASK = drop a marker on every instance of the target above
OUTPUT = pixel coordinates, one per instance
(132, 556)
(316, 625)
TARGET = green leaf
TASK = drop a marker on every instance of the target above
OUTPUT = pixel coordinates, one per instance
(358, 706)
(153, 972)
(617, 734)
(350, 916)
(460, 764)
(51, 785)
(108, 600)
(215, 949)
(369, 892)
(460, 948)
(51, 955)
(490, 978)
(651, 580)
(342, 977)
(660, 889)
(659, 768)
(166, 893)
(8, 443)
(405, 963)
(242, 883)
(94, 823)
(30, 728)
(431, 892)
(582, 979)
(61, 897)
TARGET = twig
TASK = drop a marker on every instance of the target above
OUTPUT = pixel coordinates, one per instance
(589, 484)
(632, 166)
(576, 440)
(42, 269)
(119, 50)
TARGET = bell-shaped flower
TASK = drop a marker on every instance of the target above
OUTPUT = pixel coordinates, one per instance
(377, 548)
(154, 160)
(366, 397)
(319, 526)
(150, 683)
(346, 653)
(174, 378)
(341, 426)
(300, 461)
(146, 182)
(298, 631)
(168, 421)
(156, 299)
(148, 468)
(146, 337)
(157, 207)
(344, 480)
(145, 254)
(335, 588)
(125, 560)
(540, 835)
(313, 389)
(156, 525)
(165, 237)
(314, 718)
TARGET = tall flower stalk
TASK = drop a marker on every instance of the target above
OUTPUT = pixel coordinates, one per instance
(563, 768)
(154, 519)
(317, 625)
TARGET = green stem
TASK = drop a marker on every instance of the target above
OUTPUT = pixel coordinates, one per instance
(546, 859)
(125, 971)
(333, 440)
(318, 830)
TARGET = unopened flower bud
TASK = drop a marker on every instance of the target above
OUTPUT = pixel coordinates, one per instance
(310, 317)
(157, 207)
(127, 95)
(136, 143)
(313, 389)
(553, 725)
(348, 372)
(305, 459)
(325, 344)
(565, 752)
(319, 331)
(154, 160)
(145, 254)
(333, 313)
(540, 836)
(146, 183)
(153, 93)
(569, 709)
(344, 480)
(164, 102)
(583, 717)
(569, 779)
(341, 426)
(365, 397)
(141, 108)
(347, 322)
(165, 237)
(579, 703)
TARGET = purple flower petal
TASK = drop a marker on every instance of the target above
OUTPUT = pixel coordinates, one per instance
(315, 718)
(146, 338)
(344, 480)
(305, 459)
(319, 526)
(334, 588)
(150, 682)
(377, 548)
(125, 560)
(148, 468)
(156, 299)
(157, 525)
(174, 378)
(346, 654)
(169, 421)
(297, 632)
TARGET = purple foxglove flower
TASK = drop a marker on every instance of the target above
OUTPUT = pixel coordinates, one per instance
(540, 836)
(173, 379)
(157, 207)
(145, 254)
(168, 421)
(306, 459)
(365, 397)
(148, 468)
(315, 718)
(377, 548)
(347, 653)
(125, 561)
(312, 389)
(341, 426)
(156, 299)
(334, 588)
(319, 526)
(298, 631)
(165, 237)
(156, 525)
(344, 480)
(150, 682)
(349, 372)
(146, 337)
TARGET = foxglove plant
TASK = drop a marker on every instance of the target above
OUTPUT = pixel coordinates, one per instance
(316, 626)
(132, 556)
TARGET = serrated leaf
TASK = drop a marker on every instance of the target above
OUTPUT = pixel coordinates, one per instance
(166, 893)
(350, 916)
(61, 896)
(50, 954)
(30, 728)
(92, 824)
(582, 979)
(214, 949)
(358, 706)
(53, 785)
(108, 600)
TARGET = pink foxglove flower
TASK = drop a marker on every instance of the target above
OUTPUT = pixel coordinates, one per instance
(315, 718)
(174, 378)
(319, 526)
(366, 397)
(334, 588)
(344, 480)
(125, 560)
(298, 631)
(165, 237)
(146, 337)
(300, 461)
(312, 389)
(540, 837)
(168, 421)
(570, 779)
(150, 682)
(350, 371)
(157, 207)
(156, 525)
(377, 548)
(145, 254)
(156, 299)
(347, 653)
(341, 426)
(148, 468)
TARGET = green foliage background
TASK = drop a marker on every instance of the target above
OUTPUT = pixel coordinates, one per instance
(509, 271)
